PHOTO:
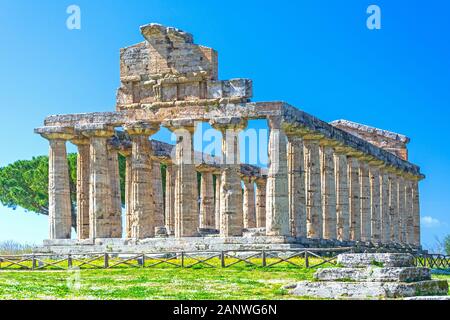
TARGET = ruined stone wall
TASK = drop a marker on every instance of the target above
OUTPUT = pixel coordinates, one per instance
(390, 141)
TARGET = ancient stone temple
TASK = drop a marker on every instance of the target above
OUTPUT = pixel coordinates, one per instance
(328, 184)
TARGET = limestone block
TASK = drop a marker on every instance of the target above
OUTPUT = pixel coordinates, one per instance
(374, 274)
(358, 260)
(365, 290)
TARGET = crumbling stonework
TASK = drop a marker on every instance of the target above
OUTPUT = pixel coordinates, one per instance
(337, 184)
(372, 276)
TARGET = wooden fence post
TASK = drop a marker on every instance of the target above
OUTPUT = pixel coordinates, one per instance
(106, 261)
(264, 261)
(182, 259)
(69, 261)
(306, 259)
(222, 259)
(33, 262)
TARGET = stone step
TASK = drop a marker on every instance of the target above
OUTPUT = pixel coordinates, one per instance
(366, 290)
(361, 260)
(374, 274)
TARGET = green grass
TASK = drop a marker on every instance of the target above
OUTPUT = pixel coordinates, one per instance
(153, 283)
(240, 282)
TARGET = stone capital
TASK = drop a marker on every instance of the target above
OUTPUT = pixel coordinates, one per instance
(80, 140)
(180, 124)
(205, 168)
(56, 133)
(141, 128)
(224, 124)
(97, 130)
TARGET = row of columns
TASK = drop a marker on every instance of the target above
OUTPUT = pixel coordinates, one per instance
(147, 212)
(315, 188)
(338, 194)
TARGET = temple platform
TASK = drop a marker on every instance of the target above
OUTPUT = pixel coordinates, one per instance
(210, 243)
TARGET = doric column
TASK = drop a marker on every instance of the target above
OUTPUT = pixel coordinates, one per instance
(217, 218)
(100, 204)
(409, 212)
(60, 219)
(170, 199)
(231, 212)
(277, 201)
(385, 209)
(393, 208)
(401, 209)
(207, 212)
(366, 220)
(296, 179)
(186, 193)
(355, 199)
(83, 171)
(313, 187)
(116, 196)
(328, 190)
(416, 211)
(142, 205)
(375, 203)
(342, 195)
(261, 202)
(158, 197)
(249, 203)
(128, 188)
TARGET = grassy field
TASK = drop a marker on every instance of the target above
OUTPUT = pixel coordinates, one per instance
(162, 282)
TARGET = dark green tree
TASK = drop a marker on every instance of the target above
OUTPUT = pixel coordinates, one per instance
(24, 184)
(447, 244)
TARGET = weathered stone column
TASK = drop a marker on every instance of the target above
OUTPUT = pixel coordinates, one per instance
(231, 212)
(296, 179)
(249, 203)
(366, 220)
(401, 209)
(217, 218)
(186, 193)
(409, 212)
(142, 204)
(393, 208)
(100, 200)
(342, 195)
(83, 172)
(385, 209)
(416, 211)
(207, 213)
(355, 199)
(60, 219)
(158, 198)
(313, 187)
(277, 201)
(116, 196)
(170, 199)
(375, 203)
(261, 202)
(328, 191)
(128, 188)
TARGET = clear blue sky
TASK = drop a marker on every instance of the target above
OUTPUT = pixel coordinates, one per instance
(317, 55)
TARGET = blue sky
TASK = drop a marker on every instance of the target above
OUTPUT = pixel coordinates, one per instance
(317, 55)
